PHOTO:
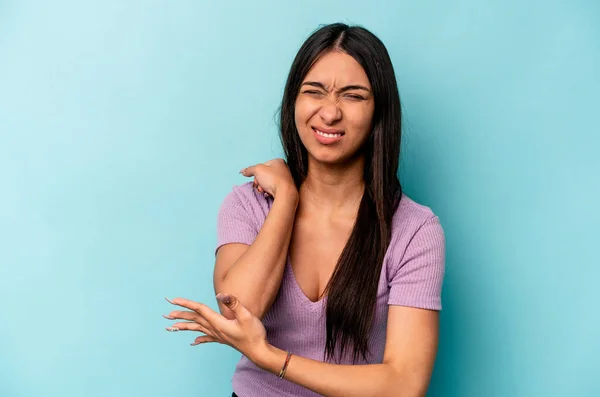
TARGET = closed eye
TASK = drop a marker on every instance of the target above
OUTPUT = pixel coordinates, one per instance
(355, 96)
(313, 92)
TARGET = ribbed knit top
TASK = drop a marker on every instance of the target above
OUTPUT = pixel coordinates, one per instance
(412, 275)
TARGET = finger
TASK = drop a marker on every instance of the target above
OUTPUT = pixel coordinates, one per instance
(240, 312)
(203, 339)
(183, 326)
(214, 320)
(260, 190)
(188, 304)
(200, 325)
(185, 315)
(248, 171)
(196, 311)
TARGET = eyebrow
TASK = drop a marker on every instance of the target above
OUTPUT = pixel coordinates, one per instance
(343, 89)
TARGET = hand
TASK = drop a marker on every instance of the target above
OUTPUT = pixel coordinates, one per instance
(245, 332)
(270, 177)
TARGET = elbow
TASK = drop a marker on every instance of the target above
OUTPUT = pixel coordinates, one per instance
(398, 389)
(228, 314)
(257, 305)
(221, 287)
(402, 384)
(253, 307)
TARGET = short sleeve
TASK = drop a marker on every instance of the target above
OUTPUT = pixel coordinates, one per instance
(236, 222)
(417, 278)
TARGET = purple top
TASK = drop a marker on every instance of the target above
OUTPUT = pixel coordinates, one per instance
(412, 275)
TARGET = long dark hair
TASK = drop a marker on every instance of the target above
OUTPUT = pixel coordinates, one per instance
(352, 290)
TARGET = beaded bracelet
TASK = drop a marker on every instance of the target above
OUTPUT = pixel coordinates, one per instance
(284, 368)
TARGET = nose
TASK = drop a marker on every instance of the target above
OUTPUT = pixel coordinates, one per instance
(330, 112)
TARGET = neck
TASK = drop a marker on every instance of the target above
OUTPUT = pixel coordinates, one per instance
(333, 188)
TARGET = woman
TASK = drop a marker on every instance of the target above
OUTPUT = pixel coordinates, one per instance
(328, 276)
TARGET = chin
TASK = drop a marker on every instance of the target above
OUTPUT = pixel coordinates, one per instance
(329, 156)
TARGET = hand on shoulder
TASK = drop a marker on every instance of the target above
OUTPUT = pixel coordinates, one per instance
(272, 177)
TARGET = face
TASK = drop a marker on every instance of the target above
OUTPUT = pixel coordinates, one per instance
(334, 109)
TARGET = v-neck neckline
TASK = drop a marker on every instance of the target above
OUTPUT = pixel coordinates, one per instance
(313, 305)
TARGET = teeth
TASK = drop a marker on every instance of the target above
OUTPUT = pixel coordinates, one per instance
(328, 135)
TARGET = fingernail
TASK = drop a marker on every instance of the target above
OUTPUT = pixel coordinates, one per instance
(194, 344)
(170, 301)
(168, 317)
(242, 170)
(226, 299)
(172, 329)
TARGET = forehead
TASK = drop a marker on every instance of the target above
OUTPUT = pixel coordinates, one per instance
(337, 69)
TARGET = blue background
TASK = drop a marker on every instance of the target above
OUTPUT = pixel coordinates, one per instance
(123, 126)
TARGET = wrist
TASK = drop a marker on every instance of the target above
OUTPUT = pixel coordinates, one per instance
(269, 358)
(288, 194)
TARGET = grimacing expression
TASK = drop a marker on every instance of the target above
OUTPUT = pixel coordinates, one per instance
(334, 108)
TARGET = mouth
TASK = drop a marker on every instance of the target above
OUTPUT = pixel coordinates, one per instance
(327, 136)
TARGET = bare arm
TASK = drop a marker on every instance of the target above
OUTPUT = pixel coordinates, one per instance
(411, 335)
(253, 273)
(410, 351)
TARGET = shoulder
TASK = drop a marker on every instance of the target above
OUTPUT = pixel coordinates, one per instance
(416, 226)
(410, 216)
(245, 193)
(415, 264)
(244, 200)
(241, 215)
